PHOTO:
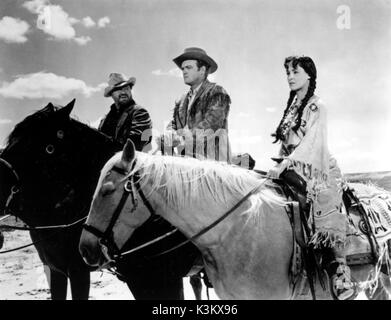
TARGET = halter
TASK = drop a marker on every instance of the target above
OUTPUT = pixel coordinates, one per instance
(106, 239)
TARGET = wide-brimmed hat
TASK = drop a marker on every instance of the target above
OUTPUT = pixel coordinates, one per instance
(196, 54)
(116, 81)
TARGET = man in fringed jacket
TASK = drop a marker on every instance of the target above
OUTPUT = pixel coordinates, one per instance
(199, 127)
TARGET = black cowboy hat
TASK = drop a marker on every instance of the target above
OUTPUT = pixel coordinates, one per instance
(196, 54)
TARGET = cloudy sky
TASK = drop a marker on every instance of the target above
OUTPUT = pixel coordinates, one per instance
(58, 50)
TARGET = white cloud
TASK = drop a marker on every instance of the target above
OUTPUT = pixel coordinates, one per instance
(175, 72)
(73, 20)
(35, 5)
(88, 22)
(56, 22)
(13, 29)
(60, 26)
(45, 85)
(102, 22)
(82, 40)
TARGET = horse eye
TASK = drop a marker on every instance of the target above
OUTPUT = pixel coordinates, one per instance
(60, 134)
(49, 149)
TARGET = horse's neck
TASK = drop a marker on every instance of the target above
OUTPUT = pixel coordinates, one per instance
(192, 219)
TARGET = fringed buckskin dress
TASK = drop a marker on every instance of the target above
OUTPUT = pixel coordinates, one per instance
(308, 155)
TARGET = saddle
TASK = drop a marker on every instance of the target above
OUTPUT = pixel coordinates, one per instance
(295, 188)
(369, 227)
(304, 264)
(368, 213)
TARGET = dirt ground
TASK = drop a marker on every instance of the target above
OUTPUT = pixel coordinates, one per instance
(22, 276)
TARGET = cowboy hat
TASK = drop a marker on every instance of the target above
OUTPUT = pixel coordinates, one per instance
(196, 54)
(116, 81)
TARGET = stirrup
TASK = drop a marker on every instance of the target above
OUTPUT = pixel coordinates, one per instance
(341, 285)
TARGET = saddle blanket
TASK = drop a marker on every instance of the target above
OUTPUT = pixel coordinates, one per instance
(377, 205)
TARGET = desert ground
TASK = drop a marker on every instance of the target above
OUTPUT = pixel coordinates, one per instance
(23, 276)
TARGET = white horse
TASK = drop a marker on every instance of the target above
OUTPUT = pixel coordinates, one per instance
(247, 255)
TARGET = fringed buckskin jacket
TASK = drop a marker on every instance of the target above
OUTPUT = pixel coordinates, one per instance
(201, 122)
(307, 153)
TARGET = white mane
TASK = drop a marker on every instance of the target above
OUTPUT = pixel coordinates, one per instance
(190, 182)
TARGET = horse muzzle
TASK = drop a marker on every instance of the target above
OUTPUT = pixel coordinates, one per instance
(90, 249)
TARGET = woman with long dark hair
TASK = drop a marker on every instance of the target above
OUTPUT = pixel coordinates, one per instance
(302, 133)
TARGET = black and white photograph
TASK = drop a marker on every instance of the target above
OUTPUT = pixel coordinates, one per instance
(198, 150)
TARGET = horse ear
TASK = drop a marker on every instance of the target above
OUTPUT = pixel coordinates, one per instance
(66, 111)
(128, 152)
(68, 108)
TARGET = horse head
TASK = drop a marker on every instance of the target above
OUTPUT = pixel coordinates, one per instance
(107, 227)
(48, 152)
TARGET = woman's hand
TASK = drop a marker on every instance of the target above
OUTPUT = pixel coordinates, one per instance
(276, 171)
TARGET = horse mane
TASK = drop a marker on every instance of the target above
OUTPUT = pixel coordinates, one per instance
(23, 127)
(179, 177)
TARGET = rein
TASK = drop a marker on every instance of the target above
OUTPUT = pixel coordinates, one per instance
(26, 245)
(61, 226)
(64, 226)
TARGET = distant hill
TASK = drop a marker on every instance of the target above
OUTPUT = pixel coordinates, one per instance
(381, 179)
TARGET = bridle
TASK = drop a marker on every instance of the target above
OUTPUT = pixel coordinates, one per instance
(15, 189)
(106, 239)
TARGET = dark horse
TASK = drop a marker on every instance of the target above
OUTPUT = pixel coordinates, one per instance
(57, 161)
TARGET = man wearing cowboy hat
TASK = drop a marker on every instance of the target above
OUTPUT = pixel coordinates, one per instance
(199, 126)
(125, 119)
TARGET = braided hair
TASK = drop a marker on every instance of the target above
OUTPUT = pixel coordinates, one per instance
(309, 67)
